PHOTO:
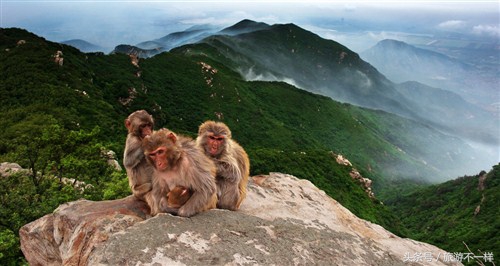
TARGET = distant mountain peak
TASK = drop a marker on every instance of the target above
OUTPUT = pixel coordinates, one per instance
(246, 23)
(84, 46)
(244, 26)
(403, 46)
(392, 41)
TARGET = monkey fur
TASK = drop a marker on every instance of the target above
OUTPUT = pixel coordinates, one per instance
(177, 161)
(231, 160)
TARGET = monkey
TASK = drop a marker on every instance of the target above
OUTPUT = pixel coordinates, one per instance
(177, 161)
(178, 196)
(231, 160)
(139, 125)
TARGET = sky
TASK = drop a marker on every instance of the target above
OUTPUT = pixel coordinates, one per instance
(109, 23)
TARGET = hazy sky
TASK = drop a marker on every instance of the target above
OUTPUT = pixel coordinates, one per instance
(109, 23)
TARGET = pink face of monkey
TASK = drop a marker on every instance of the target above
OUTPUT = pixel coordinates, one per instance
(162, 149)
(159, 158)
(215, 144)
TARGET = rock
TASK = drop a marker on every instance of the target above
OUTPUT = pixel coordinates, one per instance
(343, 161)
(111, 156)
(134, 59)
(69, 235)
(58, 58)
(482, 177)
(6, 169)
(132, 95)
(366, 183)
(283, 221)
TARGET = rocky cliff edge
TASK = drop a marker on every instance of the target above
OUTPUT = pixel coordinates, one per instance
(283, 221)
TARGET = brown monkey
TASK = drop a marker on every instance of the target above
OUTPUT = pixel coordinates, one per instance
(178, 196)
(178, 162)
(139, 125)
(231, 160)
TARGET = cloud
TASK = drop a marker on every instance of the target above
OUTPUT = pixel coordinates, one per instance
(350, 8)
(228, 19)
(489, 30)
(452, 25)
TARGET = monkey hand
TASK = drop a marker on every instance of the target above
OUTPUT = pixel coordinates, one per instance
(140, 190)
(184, 212)
(164, 207)
(227, 171)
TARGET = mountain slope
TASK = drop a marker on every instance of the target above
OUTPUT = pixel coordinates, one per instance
(181, 92)
(244, 26)
(289, 53)
(461, 210)
(449, 112)
(141, 53)
(165, 43)
(303, 59)
(84, 46)
(409, 63)
(442, 107)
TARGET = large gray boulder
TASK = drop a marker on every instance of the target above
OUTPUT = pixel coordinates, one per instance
(283, 221)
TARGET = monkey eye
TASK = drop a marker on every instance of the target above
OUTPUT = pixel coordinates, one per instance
(216, 138)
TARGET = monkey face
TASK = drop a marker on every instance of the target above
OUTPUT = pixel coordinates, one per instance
(159, 158)
(215, 144)
(145, 129)
(162, 150)
(140, 124)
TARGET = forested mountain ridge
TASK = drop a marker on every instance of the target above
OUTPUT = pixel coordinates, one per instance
(457, 97)
(286, 52)
(182, 91)
(477, 83)
(463, 210)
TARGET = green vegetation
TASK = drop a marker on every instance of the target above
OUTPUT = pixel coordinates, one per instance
(447, 215)
(58, 121)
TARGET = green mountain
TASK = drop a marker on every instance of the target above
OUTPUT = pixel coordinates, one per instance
(130, 49)
(464, 210)
(182, 90)
(288, 52)
(296, 56)
(283, 129)
(84, 46)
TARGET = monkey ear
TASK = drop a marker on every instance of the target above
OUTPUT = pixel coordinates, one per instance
(172, 137)
(127, 123)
